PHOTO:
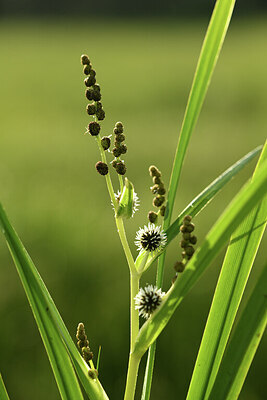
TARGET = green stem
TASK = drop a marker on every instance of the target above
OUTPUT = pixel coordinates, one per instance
(133, 366)
(125, 245)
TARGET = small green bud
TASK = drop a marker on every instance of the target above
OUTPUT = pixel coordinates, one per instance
(87, 68)
(154, 171)
(186, 235)
(156, 180)
(116, 151)
(193, 239)
(184, 243)
(89, 80)
(155, 189)
(158, 201)
(89, 94)
(190, 227)
(105, 142)
(102, 168)
(152, 216)
(120, 137)
(123, 148)
(87, 354)
(126, 202)
(179, 266)
(82, 343)
(85, 59)
(90, 109)
(162, 210)
(121, 168)
(189, 250)
(119, 127)
(114, 163)
(94, 128)
(187, 219)
(161, 190)
(80, 335)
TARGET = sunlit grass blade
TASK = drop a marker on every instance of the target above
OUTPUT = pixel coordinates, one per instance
(202, 199)
(240, 351)
(59, 345)
(244, 201)
(231, 285)
(3, 391)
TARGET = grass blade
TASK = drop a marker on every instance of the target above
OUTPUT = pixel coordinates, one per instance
(243, 345)
(201, 200)
(3, 391)
(59, 345)
(244, 201)
(231, 285)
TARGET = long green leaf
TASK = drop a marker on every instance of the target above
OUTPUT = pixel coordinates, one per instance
(202, 199)
(3, 392)
(231, 285)
(244, 201)
(243, 345)
(59, 345)
(207, 60)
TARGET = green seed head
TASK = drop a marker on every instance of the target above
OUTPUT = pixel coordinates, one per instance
(158, 201)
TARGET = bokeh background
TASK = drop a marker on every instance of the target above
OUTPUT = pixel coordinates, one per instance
(145, 55)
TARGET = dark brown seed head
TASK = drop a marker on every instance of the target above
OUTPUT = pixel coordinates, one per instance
(116, 151)
(105, 142)
(120, 168)
(156, 180)
(89, 94)
(90, 109)
(179, 266)
(120, 137)
(193, 239)
(162, 210)
(123, 148)
(102, 168)
(96, 95)
(119, 127)
(87, 68)
(94, 128)
(189, 250)
(154, 171)
(152, 216)
(85, 59)
(100, 115)
(158, 201)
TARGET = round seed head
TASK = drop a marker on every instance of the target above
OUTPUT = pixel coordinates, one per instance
(102, 168)
(116, 151)
(187, 219)
(100, 115)
(90, 109)
(87, 69)
(184, 243)
(162, 210)
(89, 94)
(193, 239)
(96, 95)
(94, 128)
(96, 87)
(123, 148)
(119, 127)
(189, 250)
(161, 190)
(154, 171)
(179, 266)
(158, 201)
(120, 137)
(120, 168)
(105, 142)
(89, 80)
(156, 180)
(85, 59)
(190, 227)
(114, 163)
(152, 216)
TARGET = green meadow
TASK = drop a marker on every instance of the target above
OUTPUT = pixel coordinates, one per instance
(60, 207)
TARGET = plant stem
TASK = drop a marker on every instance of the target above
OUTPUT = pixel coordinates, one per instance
(133, 366)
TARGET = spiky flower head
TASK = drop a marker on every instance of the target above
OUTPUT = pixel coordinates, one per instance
(150, 238)
(148, 300)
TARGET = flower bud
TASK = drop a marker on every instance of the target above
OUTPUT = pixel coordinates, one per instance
(89, 94)
(156, 180)
(100, 115)
(179, 266)
(154, 171)
(152, 216)
(90, 80)
(158, 201)
(102, 168)
(105, 142)
(90, 109)
(187, 219)
(120, 137)
(120, 168)
(87, 69)
(119, 127)
(123, 148)
(96, 95)
(94, 128)
(116, 151)
(193, 239)
(85, 59)
(189, 250)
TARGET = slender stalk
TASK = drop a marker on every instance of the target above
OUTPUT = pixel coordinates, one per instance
(133, 366)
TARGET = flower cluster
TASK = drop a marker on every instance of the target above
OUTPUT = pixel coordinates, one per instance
(186, 244)
(148, 300)
(157, 189)
(83, 343)
(119, 149)
(150, 238)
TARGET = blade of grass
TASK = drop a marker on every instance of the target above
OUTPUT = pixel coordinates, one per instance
(3, 391)
(244, 201)
(230, 287)
(48, 318)
(202, 199)
(243, 345)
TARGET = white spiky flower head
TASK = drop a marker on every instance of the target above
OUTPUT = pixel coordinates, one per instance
(136, 201)
(148, 300)
(150, 238)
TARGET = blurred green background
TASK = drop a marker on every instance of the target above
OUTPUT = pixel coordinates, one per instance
(60, 207)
